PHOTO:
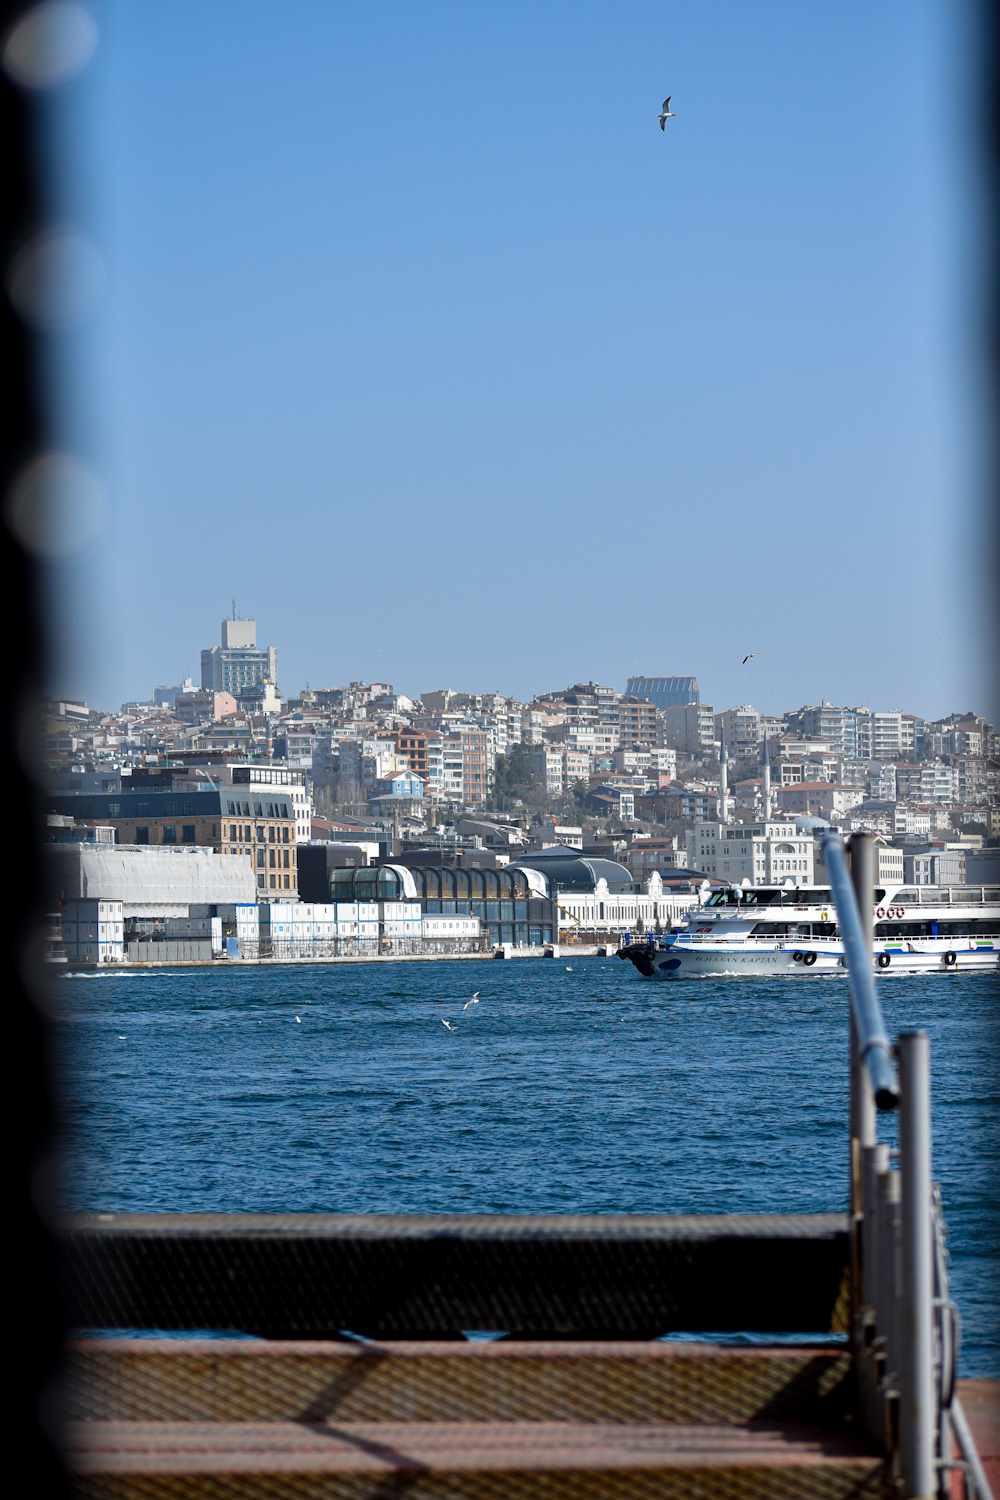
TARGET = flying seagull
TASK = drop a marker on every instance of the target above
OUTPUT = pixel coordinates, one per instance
(448, 1024)
(473, 1001)
(747, 658)
(667, 112)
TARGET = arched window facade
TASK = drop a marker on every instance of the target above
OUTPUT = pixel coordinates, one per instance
(507, 909)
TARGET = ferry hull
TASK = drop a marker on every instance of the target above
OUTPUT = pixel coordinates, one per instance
(722, 961)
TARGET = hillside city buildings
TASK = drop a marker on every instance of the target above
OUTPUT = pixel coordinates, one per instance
(282, 791)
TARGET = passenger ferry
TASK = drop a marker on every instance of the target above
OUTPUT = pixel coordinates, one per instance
(776, 930)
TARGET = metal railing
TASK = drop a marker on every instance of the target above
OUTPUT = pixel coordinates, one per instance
(904, 1325)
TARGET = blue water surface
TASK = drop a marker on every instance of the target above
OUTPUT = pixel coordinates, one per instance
(572, 1086)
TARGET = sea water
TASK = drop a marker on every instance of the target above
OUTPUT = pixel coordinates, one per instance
(571, 1086)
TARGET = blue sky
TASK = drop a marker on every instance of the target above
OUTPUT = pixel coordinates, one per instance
(421, 339)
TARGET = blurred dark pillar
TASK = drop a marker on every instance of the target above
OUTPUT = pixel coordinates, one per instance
(33, 1328)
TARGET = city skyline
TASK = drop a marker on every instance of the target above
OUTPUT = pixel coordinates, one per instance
(366, 351)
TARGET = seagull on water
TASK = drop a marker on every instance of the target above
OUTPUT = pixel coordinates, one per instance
(747, 658)
(448, 1024)
(666, 113)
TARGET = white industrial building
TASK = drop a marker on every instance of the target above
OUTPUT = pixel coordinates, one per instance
(149, 880)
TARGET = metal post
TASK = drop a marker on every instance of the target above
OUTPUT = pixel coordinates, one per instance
(873, 1043)
(874, 1164)
(917, 1415)
(886, 1249)
(862, 866)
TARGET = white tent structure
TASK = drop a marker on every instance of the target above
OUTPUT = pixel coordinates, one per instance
(150, 882)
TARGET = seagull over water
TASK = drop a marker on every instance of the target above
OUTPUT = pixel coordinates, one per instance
(473, 1001)
(448, 1024)
(666, 113)
(747, 658)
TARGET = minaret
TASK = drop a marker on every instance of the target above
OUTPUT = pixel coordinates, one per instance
(723, 782)
(767, 783)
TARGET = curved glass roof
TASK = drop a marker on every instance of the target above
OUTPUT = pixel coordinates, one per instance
(573, 872)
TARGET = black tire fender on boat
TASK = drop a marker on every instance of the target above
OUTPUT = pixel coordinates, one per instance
(950, 959)
(883, 960)
(797, 957)
(808, 959)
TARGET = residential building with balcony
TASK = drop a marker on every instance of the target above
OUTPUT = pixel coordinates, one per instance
(739, 730)
(636, 722)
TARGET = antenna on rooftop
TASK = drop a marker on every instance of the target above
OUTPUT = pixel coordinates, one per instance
(234, 608)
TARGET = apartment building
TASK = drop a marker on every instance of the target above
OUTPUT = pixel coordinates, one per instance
(636, 722)
(772, 853)
(200, 706)
(739, 730)
(411, 745)
(460, 767)
(477, 769)
(546, 763)
(687, 727)
(818, 797)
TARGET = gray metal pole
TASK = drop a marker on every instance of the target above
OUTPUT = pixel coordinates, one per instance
(873, 1043)
(886, 1247)
(917, 1408)
(874, 1163)
(861, 851)
(967, 1448)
